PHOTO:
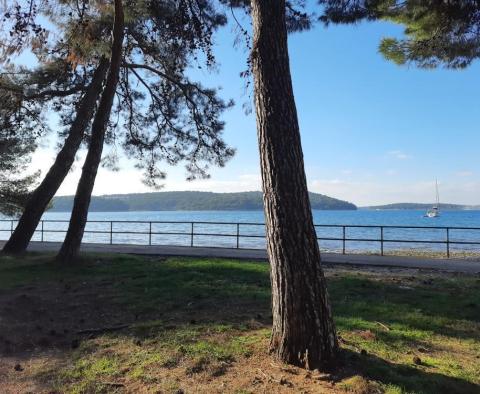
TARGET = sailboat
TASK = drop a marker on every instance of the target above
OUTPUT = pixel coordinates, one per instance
(434, 212)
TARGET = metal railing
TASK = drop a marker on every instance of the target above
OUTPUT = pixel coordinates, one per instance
(193, 230)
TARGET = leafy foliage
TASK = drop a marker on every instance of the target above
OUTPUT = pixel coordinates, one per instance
(14, 185)
(437, 32)
(159, 113)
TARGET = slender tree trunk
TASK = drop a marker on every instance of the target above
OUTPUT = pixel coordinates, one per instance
(303, 331)
(73, 239)
(43, 194)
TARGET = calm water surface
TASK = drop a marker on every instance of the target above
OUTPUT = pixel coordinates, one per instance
(205, 232)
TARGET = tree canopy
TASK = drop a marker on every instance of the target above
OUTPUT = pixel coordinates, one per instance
(159, 113)
(149, 106)
(15, 186)
(437, 32)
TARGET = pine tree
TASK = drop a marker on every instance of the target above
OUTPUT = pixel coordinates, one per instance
(56, 84)
(71, 245)
(303, 331)
(437, 32)
(15, 151)
(185, 115)
(160, 115)
(39, 199)
(15, 187)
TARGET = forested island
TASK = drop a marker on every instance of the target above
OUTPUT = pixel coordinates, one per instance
(189, 201)
(410, 205)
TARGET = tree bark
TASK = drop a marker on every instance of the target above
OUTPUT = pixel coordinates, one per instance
(42, 195)
(71, 245)
(303, 331)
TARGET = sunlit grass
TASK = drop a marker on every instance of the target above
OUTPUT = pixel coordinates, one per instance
(203, 317)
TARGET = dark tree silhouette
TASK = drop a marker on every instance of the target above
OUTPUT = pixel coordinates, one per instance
(57, 84)
(182, 115)
(40, 198)
(160, 115)
(15, 187)
(73, 239)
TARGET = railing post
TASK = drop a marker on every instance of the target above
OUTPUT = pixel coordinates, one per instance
(42, 232)
(381, 240)
(11, 227)
(344, 246)
(238, 235)
(150, 234)
(111, 232)
(191, 236)
(448, 243)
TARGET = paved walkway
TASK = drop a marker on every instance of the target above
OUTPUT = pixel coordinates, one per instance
(456, 265)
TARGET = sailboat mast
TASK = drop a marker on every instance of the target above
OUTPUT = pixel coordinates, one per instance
(434, 212)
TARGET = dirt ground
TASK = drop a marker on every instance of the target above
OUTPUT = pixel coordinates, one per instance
(41, 326)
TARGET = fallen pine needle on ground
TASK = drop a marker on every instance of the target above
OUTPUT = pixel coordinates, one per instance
(130, 324)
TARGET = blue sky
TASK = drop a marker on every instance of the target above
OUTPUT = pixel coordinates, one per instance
(372, 132)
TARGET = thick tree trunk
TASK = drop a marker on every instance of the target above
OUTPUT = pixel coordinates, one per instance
(303, 330)
(78, 220)
(43, 194)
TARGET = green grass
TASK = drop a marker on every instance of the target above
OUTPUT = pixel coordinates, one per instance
(202, 316)
(437, 321)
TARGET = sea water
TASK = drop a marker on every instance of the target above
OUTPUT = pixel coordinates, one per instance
(209, 229)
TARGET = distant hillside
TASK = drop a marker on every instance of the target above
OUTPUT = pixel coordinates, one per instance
(409, 205)
(188, 201)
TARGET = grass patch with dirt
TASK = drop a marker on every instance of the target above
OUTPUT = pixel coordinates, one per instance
(132, 324)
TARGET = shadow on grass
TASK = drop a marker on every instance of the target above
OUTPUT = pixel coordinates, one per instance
(409, 379)
(443, 307)
(232, 292)
(45, 305)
